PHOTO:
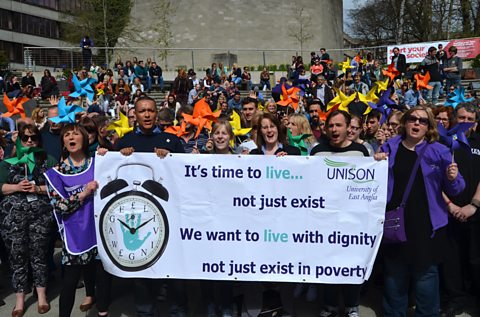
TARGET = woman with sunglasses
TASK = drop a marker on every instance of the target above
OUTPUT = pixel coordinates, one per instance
(425, 213)
(26, 218)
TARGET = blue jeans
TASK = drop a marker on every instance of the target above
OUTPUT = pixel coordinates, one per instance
(432, 94)
(237, 80)
(158, 80)
(425, 283)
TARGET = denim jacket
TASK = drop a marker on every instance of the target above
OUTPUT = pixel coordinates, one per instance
(434, 163)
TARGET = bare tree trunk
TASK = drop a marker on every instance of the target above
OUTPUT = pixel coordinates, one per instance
(466, 20)
(401, 21)
(476, 16)
(449, 20)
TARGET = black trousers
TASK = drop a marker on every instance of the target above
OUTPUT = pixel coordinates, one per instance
(70, 280)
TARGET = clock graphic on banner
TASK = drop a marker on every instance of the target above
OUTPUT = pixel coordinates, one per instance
(133, 224)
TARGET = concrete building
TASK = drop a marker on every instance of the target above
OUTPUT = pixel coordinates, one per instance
(248, 32)
(226, 28)
(35, 23)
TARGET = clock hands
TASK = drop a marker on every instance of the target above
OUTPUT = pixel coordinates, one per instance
(143, 224)
(133, 230)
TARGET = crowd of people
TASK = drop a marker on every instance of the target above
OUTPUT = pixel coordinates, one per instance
(314, 111)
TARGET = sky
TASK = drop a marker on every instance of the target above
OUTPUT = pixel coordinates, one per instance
(347, 5)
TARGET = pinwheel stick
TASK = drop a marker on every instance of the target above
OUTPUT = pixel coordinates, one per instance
(453, 156)
(26, 171)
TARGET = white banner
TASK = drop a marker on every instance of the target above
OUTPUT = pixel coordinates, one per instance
(250, 218)
(414, 52)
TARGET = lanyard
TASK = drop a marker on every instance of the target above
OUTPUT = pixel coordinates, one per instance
(77, 169)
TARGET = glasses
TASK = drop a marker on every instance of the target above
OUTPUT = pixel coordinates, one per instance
(393, 124)
(413, 119)
(354, 128)
(25, 138)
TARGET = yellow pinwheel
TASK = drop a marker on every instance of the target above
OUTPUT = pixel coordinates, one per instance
(341, 100)
(236, 124)
(365, 100)
(371, 96)
(345, 65)
(381, 85)
(121, 126)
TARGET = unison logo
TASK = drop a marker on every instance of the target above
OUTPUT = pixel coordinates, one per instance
(343, 170)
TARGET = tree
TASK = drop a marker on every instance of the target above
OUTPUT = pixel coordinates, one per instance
(379, 22)
(301, 31)
(89, 19)
(160, 33)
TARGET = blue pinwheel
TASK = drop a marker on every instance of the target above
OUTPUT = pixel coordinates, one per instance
(457, 97)
(455, 138)
(83, 88)
(384, 105)
(66, 114)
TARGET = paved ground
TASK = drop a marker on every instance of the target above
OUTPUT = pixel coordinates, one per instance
(122, 305)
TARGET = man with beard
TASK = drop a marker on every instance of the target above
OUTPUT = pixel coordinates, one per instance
(316, 124)
(463, 252)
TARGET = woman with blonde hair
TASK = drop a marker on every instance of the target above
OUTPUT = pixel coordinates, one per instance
(271, 106)
(300, 134)
(38, 117)
(420, 169)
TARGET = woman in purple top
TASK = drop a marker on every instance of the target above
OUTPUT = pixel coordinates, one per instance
(71, 187)
(425, 214)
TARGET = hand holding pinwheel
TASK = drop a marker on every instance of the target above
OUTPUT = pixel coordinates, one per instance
(25, 155)
(455, 138)
(66, 114)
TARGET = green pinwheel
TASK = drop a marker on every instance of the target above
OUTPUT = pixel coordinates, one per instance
(298, 141)
(25, 155)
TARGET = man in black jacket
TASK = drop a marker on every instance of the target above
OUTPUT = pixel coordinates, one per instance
(430, 64)
(156, 74)
(463, 252)
(322, 91)
(399, 61)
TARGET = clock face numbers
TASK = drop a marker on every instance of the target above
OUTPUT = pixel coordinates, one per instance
(134, 230)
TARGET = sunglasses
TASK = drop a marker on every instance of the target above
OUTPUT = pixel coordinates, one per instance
(413, 119)
(25, 138)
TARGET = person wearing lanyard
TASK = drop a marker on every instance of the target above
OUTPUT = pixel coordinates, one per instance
(26, 217)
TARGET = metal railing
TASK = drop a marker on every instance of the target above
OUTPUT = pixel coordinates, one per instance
(173, 58)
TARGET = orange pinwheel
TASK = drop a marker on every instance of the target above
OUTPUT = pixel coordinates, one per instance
(391, 72)
(290, 96)
(202, 116)
(422, 81)
(177, 130)
(14, 106)
(323, 115)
